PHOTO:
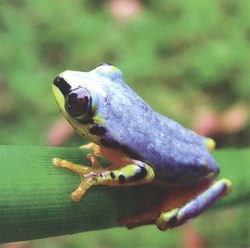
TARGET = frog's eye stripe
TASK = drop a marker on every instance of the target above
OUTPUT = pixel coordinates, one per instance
(62, 85)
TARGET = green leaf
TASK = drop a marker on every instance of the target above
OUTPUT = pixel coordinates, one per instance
(35, 195)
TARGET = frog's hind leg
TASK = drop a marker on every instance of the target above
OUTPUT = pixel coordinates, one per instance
(179, 205)
(132, 174)
(194, 207)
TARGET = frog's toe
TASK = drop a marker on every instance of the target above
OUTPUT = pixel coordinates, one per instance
(85, 184)
(79, 169)
(168, 220)
(57, 162)
(94, 147)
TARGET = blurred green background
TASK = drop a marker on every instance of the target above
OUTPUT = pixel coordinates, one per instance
(188, 59)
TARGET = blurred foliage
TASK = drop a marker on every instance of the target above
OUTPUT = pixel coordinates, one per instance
(178, 55)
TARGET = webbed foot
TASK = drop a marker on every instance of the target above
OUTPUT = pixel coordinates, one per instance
(132, 174)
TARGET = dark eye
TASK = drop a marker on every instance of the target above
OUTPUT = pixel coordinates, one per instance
(78, 102)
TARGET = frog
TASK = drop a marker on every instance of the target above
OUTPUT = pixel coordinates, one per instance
(142, 145)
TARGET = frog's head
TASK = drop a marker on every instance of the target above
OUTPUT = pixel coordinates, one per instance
(78, 95)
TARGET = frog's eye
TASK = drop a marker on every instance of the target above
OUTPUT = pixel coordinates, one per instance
(78, 102)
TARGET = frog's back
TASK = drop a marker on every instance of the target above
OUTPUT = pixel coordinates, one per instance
(176, 153)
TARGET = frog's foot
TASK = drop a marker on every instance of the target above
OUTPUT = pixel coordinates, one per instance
(92, 157)
(193, 208)
(94, 162)
(132, 174)
(94, 147)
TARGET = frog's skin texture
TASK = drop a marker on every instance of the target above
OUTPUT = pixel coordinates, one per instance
(143, 145)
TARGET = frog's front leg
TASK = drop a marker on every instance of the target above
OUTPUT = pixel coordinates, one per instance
(194, 207)
(94, 147)
(132, 174)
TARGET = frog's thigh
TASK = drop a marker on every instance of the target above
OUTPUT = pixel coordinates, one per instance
(171, 198)
(193, 208)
